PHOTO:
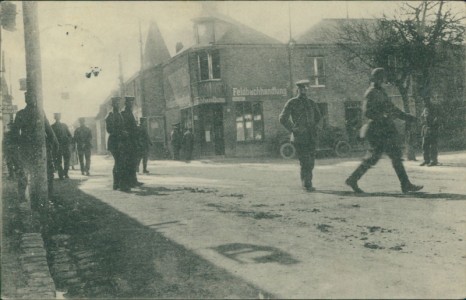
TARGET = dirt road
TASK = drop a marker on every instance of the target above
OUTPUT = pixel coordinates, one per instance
(252, 219)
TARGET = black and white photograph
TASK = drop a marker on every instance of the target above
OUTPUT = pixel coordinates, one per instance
(233, 149)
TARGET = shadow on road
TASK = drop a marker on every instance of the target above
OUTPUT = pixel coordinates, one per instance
(125, 259)
(249, 253)
(446, 196)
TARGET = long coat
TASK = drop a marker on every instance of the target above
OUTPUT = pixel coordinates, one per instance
(300, 116)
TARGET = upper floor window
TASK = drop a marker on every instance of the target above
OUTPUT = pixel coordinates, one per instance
(318, 77)
(205, 33)
(209, 65)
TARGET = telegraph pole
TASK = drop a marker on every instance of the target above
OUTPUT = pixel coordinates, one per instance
(38, 190)
(141, 75)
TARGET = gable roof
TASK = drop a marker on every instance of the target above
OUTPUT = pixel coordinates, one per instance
(155, 51)
(324, 31)
(237, 33)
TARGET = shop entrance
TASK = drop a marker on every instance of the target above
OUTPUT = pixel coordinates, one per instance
(211, 127)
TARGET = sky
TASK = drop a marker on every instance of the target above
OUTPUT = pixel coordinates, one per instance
(78, 35)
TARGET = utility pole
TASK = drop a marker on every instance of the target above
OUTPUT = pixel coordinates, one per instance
(122, 82)
(38, 189)
(141, 75)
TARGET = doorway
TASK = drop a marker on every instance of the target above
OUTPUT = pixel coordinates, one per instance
(212, 129)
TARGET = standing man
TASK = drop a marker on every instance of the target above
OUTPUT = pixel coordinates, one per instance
(144, 144)
(83, 140)
(300, 116)
(176, 139)
(131, 147)
(382, 134)
(188, 144)
(116, 143)
(430, 128)
(62, 155)
(24, 135)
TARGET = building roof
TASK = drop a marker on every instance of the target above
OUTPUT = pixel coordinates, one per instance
(237, 33)
(325, 31)
(156, 51)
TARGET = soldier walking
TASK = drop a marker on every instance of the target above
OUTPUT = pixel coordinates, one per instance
(430, 128)
(62, 155)
(300, 116)
(83, 140)
(144, 144)
(382, 134)
(131, 159)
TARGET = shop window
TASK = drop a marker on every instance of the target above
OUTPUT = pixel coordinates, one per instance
(209, 65)
(317, 68)
(249, 121)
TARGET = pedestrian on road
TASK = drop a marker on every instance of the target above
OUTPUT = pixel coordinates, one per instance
(176, 137)
(144, 144)
(188, 144)
(62, 155)
(430, 130)
(24, 136)
(131, 159)
(116, 145)
(73, 155)
(381, 133)
(83, 140)
(301, 117)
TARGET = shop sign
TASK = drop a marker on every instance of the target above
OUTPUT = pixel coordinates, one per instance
(198, 100)
(259, 91)
(9, 109)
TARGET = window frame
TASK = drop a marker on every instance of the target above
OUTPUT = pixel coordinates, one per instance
(210, 67)
(315, 82)
(252, 120)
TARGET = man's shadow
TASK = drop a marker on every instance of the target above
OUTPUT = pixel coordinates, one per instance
(421, 195)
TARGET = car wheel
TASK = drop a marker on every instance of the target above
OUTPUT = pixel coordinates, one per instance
(342, 149)
(287, 150)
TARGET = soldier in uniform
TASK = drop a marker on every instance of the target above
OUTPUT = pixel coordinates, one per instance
(83, 140)
(24, 135)
(381, 133)
(301, 116)
(188, 144)
(116, 142)
(131, 159)
(64, 137)
(144, 144)
(176, 139)
(430, 128)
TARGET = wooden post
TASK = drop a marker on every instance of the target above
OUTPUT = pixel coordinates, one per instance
(38, 189)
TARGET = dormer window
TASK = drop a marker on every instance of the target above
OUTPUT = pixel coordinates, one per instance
(205, 33)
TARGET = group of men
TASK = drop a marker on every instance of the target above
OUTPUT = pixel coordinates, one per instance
(20, 144)
(182, 142)
(128, 143)
(81, 142)
(301, 116)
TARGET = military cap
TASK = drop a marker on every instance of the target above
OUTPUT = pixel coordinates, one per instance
(129, 99)
(176, 124)
(57, 115)
(115, 100)
(82, 119)
(302, 82)
(377, 73)
(142, 119)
